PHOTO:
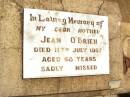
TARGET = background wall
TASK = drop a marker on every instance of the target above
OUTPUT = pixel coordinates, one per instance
(11, 32)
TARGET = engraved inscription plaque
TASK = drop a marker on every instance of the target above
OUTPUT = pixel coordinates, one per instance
(58, 44)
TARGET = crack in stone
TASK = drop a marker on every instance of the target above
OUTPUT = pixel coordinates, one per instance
(61, 4)
(100, 7)
(19, 5)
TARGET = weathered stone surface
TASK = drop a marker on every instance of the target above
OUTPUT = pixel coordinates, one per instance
(116, 59)
(125, 37)
(125, 29)
(126, 46)
(114, 84)
(125, 10)
(83, 83)
(1, 64)
(11, 32)
(111, 96)
(97, 96)
(1, 17)
(11, 80)
(11, 27)
(82, 6)
(111, 9)
(1, 41)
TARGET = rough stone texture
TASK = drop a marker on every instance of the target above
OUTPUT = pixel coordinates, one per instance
(111, 96)
(116, 59)
(125, 10)
(125, 84)
(114, 84)
(126, 46)
(87, 7)
(97, 96)
(1, 17)
(11, 80)
(111, 9)
(125, 29)
(12, 26)
(81, 94)
(11, 31)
